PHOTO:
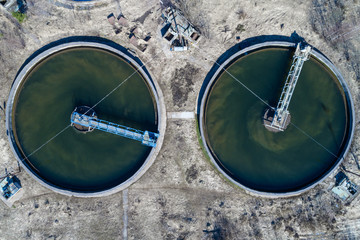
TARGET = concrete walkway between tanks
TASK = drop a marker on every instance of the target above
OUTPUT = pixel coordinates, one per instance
(180, 115)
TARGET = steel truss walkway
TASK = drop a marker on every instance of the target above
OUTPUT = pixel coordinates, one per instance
(145, 137)
(301, 55)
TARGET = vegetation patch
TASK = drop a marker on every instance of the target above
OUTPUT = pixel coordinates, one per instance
(19, 16)
(240, 28)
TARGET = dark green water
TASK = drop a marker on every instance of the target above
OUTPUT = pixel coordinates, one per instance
(267, 161)
(92, 161)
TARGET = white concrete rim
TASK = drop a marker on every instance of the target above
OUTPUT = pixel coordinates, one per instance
(155, 88)
(349, 100)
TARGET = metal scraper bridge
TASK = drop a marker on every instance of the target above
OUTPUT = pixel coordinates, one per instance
(281, 117)
(84, 119)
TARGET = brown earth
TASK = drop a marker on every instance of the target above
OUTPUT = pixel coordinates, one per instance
(182, 196)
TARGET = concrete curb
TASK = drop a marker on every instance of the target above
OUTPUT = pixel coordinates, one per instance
(152, 84)
(326, 62)
(80, 5)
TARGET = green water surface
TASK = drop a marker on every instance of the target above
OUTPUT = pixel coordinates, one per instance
(82, 76)
(264, 160)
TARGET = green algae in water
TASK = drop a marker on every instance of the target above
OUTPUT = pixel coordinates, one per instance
(267, 161)
(92, 161)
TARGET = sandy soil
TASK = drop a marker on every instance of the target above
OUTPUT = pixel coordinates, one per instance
(182, 196)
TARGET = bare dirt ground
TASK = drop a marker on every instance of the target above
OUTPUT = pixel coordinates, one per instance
(182, 196)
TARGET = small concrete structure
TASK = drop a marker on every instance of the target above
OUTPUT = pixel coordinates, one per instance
(111, 19)
(122, 21)
(15, 5)
(178, 30)
(10, 190)
(344, 189)
(133, 40)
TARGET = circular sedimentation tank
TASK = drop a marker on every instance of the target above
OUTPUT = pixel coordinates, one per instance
(48, 89)
(269, 163)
